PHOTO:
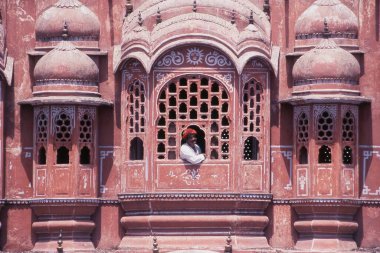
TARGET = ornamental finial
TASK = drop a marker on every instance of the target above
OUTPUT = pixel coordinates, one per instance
(233, 17)
(158, 16)
(65, 31)
(60, 242)
(326, 31)
(228, 247)
(155, 245)
(251, 21)
(140, 22)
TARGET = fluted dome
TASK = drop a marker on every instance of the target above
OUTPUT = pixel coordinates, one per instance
(65, 64)
(82, 22)
(326, 63)
(343, 23)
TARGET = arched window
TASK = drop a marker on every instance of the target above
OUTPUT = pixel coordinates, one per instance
(252, 117)
(303, 156)
(251, 149)
(86, 136)
(348, 127)
(85, 157)
(348, 137)
(42, 128)
(136, 149)
(302, 126)
(63, 155)
(42, 156)
(324, 155)
(198, 102)
(41, 135)
(136, 121)
(63, 134)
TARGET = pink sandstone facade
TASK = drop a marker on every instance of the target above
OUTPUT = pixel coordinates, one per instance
(283, 94)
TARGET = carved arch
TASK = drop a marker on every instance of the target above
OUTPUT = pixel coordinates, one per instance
(242, 7)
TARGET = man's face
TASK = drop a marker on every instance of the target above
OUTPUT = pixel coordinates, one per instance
(192, 140)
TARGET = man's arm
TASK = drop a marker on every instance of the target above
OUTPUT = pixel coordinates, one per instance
(190, 156)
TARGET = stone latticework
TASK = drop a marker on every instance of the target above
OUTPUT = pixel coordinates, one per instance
(282, 95)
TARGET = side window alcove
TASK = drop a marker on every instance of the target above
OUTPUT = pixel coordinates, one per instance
(41, 134)
(63, 126)
(252, 119)
(348, 137)
(86, 135)
(136, 120)
(325, 136)
(302, 137)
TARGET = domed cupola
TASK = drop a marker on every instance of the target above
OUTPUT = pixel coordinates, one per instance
(327, 66)
(66, 69)
(343, 25)
(84, 24)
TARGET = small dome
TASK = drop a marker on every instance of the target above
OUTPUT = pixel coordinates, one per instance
(342, 21)
(65, 64)
(84, 25)
(251, 32)
(326, 63)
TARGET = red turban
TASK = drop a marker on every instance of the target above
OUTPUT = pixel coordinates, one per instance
(188, 131)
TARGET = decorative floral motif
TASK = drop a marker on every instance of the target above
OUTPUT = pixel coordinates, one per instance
(258, 64)
(128, 76)
(194, 56)
(226, 79)
(217, 59)
(174, 58)
(162, 78)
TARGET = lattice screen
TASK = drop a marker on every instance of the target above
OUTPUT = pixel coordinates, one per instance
(200, 102)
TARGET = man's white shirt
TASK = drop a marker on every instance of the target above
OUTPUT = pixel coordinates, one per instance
(190, 155)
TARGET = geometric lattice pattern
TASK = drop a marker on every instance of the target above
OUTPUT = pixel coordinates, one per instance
(197, 101)
(325, 126)
(136, 107)
(252, 116)
(42, 128)
(303, 128)
(62, 128)
(252, 107)
(85, 129)
(348, 127)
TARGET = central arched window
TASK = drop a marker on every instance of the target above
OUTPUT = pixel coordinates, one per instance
(193, 101)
